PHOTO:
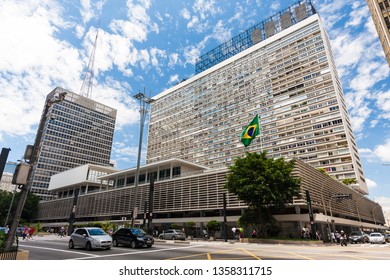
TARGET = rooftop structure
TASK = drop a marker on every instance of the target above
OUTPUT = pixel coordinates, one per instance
(257, 33)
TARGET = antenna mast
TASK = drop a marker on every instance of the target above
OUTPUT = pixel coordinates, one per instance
(86, 87)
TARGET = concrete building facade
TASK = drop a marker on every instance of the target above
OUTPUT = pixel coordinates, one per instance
(289, 79)
(6, 179)
(380, 12)
(185, 192)
(74, 132)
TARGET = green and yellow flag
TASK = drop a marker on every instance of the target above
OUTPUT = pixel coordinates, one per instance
(251, 131)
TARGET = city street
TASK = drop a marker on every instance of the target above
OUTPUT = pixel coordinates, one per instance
(56, 248)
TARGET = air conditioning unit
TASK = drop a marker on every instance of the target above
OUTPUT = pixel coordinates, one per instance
(124, 218)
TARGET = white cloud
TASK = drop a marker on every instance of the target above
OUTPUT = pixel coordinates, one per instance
(371, 183)
(383, 151)
(358, 14)
(385, 203)
(86, 11)
(185, 13)
(206, 8)
(173, 79)
(30, 56)
(380, 153)
(173, 59)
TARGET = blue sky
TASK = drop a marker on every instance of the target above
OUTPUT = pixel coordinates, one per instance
(152, 45)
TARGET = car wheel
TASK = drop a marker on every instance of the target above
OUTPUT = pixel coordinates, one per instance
(161, 237)
(88, 246)
(149, 246)
(132, 245)
(108, 248)
(115, 243)
(70, 245)
(173, 238)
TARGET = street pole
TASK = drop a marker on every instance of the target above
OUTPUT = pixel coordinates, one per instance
(144, 101)
(33, 160)
(224, 218)
(373, 214)
(324, 205)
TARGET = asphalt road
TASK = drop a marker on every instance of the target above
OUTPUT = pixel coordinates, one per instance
(56, 248)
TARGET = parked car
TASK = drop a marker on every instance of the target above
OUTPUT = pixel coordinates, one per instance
(90, 238)
(172, 234)
(377, 237)
(358, 237)
(133, 237)
(387, 237)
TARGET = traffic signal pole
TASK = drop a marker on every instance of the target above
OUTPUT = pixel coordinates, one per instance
(33, 160)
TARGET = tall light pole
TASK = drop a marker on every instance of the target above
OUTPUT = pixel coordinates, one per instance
(357, 208)
(144, 102)
(33, 161)
(373, 214)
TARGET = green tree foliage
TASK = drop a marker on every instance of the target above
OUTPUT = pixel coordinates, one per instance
(349, 181)
(213, 226)
(262, 183)
(29, 211)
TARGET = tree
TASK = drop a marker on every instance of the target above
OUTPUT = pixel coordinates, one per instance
(263, 184)
(190, 226)
(29, 211)
(349, 181)
(213, 226)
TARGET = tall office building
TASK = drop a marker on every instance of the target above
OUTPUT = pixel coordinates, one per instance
(281, 69)
(73, 132)
(380, 12)
(6, 179)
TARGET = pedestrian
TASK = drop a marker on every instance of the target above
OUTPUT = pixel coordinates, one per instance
(25, 232)
(31, 232)
(333, 237)
(62, 231)
(6, 229)
(254, 233)
(337, 236)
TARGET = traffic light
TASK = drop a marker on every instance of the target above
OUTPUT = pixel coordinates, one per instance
(20, 176)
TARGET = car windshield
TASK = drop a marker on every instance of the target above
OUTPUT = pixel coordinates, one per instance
(96, 231)
(137, 231)
(375, 234)
(356, 233)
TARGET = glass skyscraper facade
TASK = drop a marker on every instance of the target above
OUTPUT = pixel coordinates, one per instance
(74, 132)
(289, 79)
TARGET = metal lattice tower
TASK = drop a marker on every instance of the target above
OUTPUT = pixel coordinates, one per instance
(86, 87)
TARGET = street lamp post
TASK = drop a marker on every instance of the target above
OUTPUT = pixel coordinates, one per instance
(323, 204)
(144, 101)
(357, 208)
(373, 214)
(33, 160)
(330, 209)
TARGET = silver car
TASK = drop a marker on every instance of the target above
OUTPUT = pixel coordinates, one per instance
(172, 234)
(90, 238)
(377, 237)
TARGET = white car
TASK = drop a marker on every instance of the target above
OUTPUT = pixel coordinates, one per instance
(377, 237)
(90, 238)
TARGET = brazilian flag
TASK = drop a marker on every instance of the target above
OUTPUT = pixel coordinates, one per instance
(250, 132)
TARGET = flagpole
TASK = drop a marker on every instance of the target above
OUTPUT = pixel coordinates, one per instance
(261, 142)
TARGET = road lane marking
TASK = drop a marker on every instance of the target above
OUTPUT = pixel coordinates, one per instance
(249, 253)
(139, 252)
(60, 250)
